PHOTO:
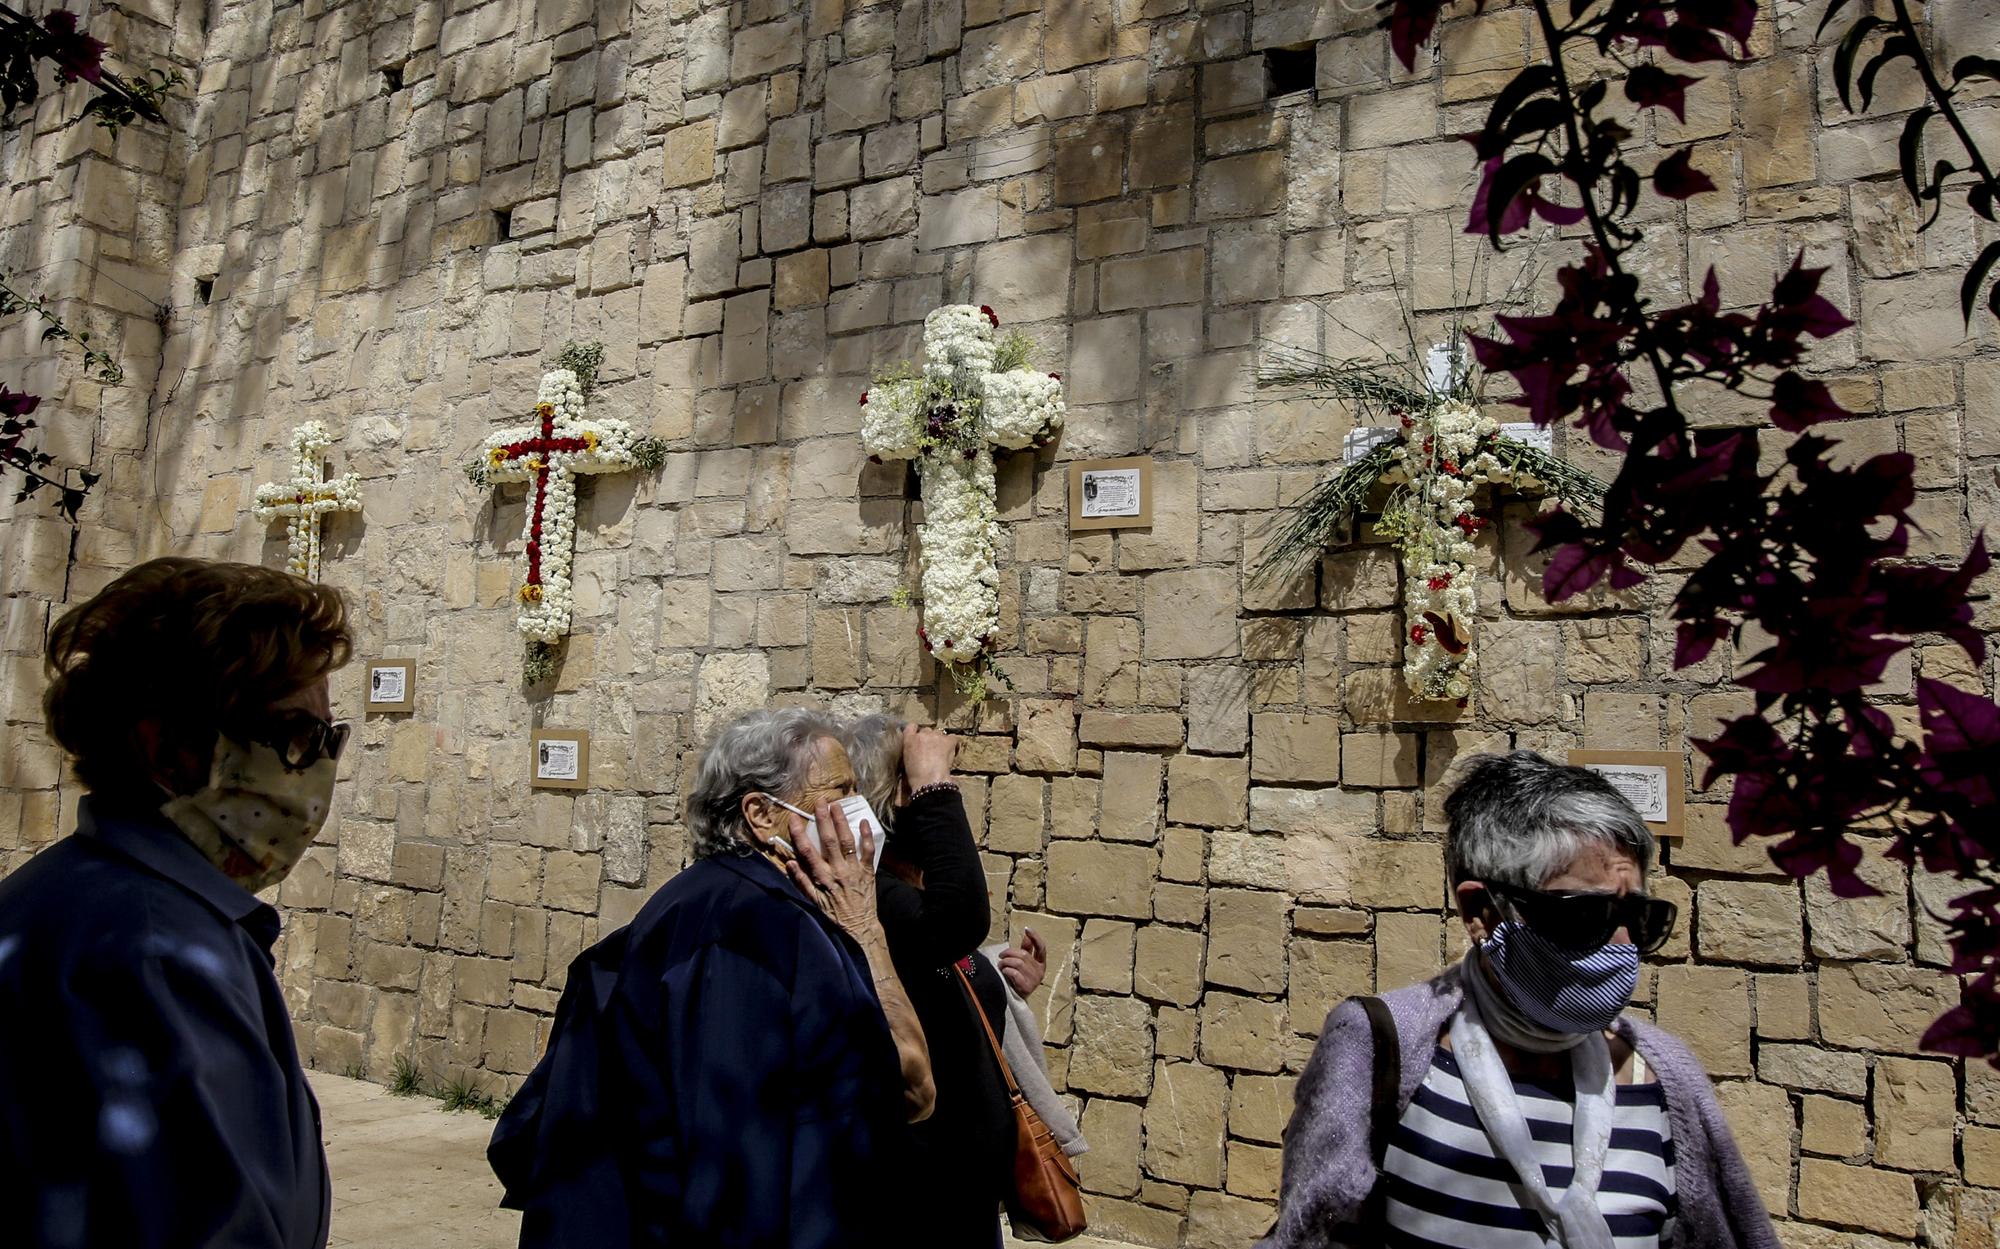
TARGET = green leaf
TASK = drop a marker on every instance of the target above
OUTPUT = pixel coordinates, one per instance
(1892, 48)
(1909, 149)
(1850, 47)
(1975, 277)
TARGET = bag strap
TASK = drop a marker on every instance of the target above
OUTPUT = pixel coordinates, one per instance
(984, 1022)
(1387, 1090)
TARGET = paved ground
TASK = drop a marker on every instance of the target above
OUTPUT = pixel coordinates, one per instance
(407, 1175)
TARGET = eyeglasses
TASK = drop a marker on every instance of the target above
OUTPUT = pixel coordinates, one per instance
(1581, 921)
(300, 737)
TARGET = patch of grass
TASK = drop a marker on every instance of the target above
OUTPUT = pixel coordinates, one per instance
(461, 1094)
(406, 1080)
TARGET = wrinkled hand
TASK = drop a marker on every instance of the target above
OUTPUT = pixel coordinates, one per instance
(839, 874)
(1025, 966)
(927, 756)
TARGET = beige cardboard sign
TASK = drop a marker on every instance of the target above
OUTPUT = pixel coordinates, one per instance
(1653, 780)
(1111, 494)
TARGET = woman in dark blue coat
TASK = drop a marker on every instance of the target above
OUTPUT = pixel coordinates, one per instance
(737, 1067)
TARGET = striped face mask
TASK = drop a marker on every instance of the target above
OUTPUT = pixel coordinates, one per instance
(1557, 988)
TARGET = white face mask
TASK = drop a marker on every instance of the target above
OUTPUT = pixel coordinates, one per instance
(256, 816)
(858, 812)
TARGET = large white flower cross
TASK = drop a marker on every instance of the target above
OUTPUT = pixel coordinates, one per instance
(972, 395)
(549, 454)
(304, 497)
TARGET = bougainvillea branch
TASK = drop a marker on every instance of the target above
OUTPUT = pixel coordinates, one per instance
(1903, 41)
(1800, 549)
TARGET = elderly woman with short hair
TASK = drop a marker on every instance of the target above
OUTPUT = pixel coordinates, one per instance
(1509, 1103)
(738, 1065)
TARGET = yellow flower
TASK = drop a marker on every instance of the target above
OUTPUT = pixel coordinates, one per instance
(590, 439)
(497, 457)
(534, 465)
(531, 594)
(545, 409)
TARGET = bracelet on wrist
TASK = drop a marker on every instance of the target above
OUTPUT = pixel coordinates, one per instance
(933, 788)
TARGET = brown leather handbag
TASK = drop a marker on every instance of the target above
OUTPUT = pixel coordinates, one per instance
(1046, 1202)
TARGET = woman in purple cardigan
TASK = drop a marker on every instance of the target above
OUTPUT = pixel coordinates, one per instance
(1508, 1104)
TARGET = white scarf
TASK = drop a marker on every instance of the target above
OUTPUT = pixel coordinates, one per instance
(1577, 1220)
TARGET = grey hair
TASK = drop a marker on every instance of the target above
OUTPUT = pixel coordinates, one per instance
(875, 751)
(761, 752)
(1518, 819)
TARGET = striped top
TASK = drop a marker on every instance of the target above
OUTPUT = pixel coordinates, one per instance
(1446, 1188)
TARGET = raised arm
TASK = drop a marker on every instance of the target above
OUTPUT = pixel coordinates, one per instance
(841, 881)
(947, 919)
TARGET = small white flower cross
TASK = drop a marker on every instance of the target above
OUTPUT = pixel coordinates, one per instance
(305, 497)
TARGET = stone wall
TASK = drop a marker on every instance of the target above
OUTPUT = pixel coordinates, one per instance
(1212, 796)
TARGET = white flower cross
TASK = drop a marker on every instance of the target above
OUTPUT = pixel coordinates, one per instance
(304, 497)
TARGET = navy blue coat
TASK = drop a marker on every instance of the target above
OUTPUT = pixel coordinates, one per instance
(720, 1074)
(150, 1090)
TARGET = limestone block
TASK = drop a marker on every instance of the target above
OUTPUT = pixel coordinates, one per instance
(858, 93)
(1760, 1117)
(1832, 1127)
(1131, 797)
(1149, 730)
(957, 218)
(1776, 122)
(1878, 1007)
(1407, 948)
(1028, 280)
(1246, 940)
(1096, 878)
(1111, 652)
(1706, 844)
(1784, 1008)
(1746, 922)
(1382, 696)
(730, 684)
(1173, 277)
(1103, 352)
(761, 51)
(1289, 747)
(1519, 679)
(1709, 1009)
(1014, 819)
(1167, 964)
(1075, 32)
(999, 54)
(1809, 1067)
(1880, 1201)
(1379, 760)
(1218, 708)
(1338, 865)
(1982, 1157)
(1184, 1121)
(1916, 1107)
(1242, 1033)
(1240, 186)
(690, 153)
(1213, 793)
(1323, 975)
(1104, 959)
(884, 209)
(1862, 928)
(1224, 1219)
(1047, 741)
(1111, 1052)
(1089, 160)
(1113, 1130)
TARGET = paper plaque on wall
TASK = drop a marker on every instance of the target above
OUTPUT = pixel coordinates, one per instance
(1653, 780)
(1111, 494)
(560, 759)
(392, 686)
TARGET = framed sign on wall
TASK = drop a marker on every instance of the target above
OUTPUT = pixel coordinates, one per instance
(392, 685)
(1653, 780)
(560, 759)
(1111, 494)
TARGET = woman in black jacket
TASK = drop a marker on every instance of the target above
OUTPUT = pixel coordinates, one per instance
(931, 896)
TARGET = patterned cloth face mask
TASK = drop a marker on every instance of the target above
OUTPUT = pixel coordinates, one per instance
(258, 812)
(1563, 990)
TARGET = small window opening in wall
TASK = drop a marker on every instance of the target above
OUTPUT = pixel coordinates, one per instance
(392, 78)
(1290, 70)
(503, 224)
(204, 289)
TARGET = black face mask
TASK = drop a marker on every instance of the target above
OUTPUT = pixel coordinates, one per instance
(1584, 921)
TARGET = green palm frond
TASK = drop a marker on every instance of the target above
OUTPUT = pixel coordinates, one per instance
(1319, 518)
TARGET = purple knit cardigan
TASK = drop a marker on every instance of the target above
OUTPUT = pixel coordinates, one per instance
(1328, 1171)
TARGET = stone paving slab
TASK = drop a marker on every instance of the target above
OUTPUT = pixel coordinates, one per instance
(409, 1175)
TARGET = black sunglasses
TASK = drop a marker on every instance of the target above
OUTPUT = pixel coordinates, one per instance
(300, 737)
(1580, 921)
